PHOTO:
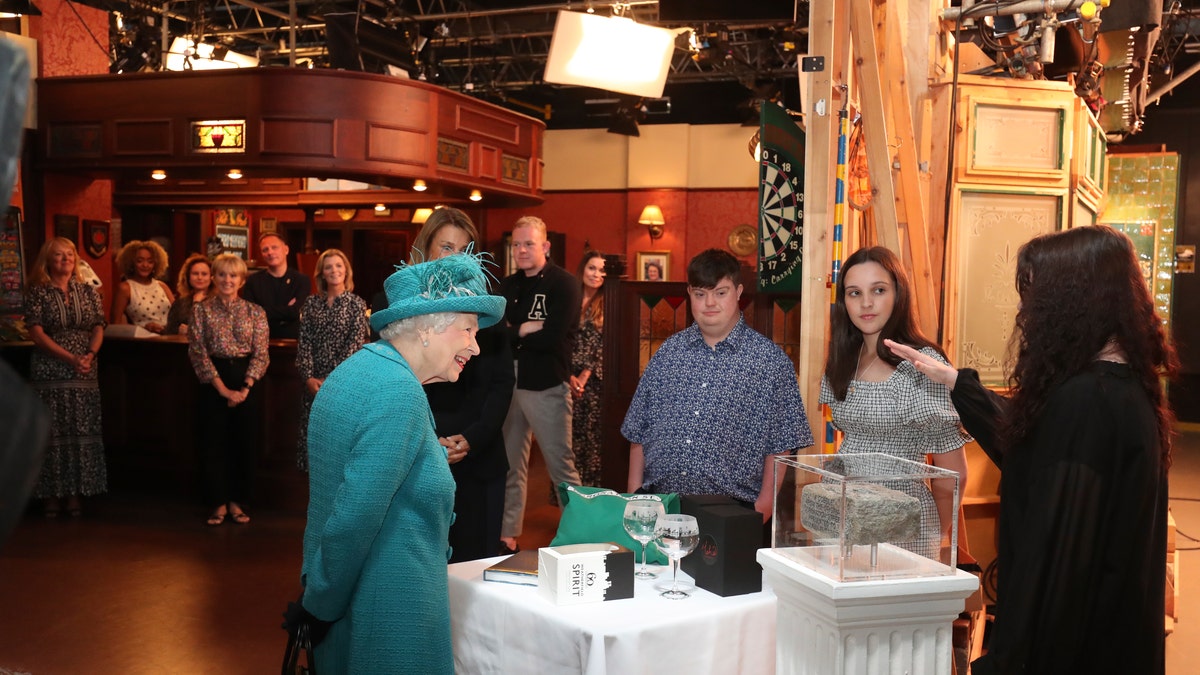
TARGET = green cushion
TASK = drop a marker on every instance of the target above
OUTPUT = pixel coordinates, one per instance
(593, 515)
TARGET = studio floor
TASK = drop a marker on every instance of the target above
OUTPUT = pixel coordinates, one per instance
(139, 585)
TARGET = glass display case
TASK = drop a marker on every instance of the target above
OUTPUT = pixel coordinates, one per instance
(865, 517)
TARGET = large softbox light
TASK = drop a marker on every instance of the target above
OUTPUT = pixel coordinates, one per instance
(612, 53)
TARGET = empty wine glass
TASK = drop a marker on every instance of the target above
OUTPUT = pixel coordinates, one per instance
(676, 535)
(639, 519)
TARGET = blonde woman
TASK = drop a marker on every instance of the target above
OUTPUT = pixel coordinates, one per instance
(333, 325)
(142, 298)
(227, 345)
(66, 324)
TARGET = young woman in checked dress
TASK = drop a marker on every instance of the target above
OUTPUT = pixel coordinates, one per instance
(878, 400)
(333, 325)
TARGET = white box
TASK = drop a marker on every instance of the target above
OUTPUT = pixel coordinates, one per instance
(579, 573)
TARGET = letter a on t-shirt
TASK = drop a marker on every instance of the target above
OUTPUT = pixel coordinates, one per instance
(537, 311)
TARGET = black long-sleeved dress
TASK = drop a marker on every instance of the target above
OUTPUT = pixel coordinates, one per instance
(1083, 510)
(475, 406)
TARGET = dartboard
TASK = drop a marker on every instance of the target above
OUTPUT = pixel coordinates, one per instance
(780, 210)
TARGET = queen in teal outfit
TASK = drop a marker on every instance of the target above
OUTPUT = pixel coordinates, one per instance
(381, 494)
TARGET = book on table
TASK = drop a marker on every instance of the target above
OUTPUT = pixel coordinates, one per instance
(518, 568)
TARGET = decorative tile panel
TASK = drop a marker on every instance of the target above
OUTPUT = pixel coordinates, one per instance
(998, 146)
(992, 227)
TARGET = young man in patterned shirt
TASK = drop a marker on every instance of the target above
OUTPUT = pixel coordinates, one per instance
(717, 401)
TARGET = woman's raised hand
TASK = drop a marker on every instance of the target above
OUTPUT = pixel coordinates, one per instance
(929, 367)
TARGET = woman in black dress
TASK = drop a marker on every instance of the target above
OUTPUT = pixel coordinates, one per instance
(1084, 444)
(470, 412)
(194, 285)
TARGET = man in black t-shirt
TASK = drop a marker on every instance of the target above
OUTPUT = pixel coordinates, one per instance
(542, 317)
(278, 290)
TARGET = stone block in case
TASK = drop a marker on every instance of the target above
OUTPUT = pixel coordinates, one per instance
(866, 516)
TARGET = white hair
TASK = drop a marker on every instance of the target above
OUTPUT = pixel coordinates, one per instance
(438, 322)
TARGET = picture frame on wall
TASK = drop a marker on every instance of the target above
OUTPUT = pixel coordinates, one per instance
(67, 227)
(266, 225)
(653, 265)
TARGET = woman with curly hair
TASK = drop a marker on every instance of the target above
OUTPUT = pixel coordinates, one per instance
(194, 285)
(142, 298)
(1083, 443)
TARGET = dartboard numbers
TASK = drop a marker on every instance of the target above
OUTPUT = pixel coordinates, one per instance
(780, 211)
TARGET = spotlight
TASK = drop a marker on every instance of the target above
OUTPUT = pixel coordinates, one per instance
(476, 196)
(380, 208)
(11, 9)
(626, 117)
(419, 185)
(158, 174)
(234, 174)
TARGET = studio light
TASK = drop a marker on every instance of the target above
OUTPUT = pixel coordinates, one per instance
(627, 116)
(11, 9)
(611, 53)
(187, 54)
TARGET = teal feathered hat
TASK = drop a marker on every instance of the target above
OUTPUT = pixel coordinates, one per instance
(456, 283)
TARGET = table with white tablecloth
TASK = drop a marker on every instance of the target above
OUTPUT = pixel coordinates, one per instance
(503, 628)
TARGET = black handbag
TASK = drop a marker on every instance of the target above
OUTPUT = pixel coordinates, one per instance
(298, 624)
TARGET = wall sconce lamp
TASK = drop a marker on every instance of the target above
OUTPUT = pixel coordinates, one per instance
(158, 174)
(419, 185)
(652, 218)
(421, 215)
(476, 196)
(234, 174)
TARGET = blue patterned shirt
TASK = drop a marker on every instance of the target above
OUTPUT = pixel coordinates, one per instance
(707, 417)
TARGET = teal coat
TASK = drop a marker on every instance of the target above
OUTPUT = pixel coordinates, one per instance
(381, 500)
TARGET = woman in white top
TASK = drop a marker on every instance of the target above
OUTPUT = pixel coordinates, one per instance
(142, 298)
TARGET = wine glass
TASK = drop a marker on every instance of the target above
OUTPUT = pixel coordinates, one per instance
(676, 535)
(639, 519)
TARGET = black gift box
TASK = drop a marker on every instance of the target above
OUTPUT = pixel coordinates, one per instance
(730, 536)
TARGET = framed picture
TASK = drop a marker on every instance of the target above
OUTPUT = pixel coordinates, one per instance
(67, 227)
(653, 265)
(266, 225)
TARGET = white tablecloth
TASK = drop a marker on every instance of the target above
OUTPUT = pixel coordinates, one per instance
(504, 628)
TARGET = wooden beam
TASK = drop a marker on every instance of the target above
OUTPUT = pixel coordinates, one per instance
(875, 128)
(908, 170)
(829, 38)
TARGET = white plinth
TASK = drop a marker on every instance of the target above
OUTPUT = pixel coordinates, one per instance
(827, 627)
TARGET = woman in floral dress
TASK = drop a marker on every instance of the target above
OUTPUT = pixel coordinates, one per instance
(333, 325)
(66, 324)
(587, 364)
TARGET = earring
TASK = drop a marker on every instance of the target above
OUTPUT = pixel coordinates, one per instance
(424, 342)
